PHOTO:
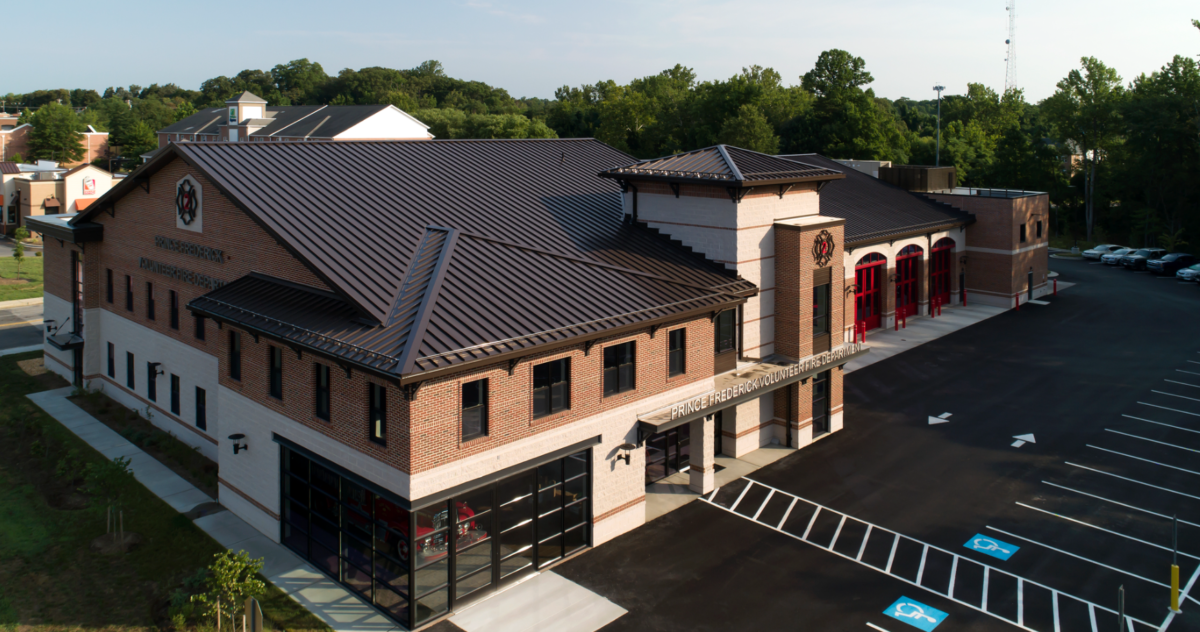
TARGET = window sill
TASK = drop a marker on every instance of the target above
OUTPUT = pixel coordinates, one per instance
(537, 421)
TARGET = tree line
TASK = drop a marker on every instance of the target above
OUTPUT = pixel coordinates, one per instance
(1121, 160)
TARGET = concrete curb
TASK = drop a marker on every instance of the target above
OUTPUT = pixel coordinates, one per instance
(16, 350)
(21, 302)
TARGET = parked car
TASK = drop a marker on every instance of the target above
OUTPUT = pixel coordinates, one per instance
(1190, 273)
(1168, 264)
(1114, 258)
(1137, 260)
(1100, 251)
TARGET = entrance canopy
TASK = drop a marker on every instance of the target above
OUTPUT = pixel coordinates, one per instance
(746, 384)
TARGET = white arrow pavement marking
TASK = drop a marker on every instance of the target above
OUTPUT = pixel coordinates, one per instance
(1018, 443)
(1022, 440)
(944, 415)
(940, 419)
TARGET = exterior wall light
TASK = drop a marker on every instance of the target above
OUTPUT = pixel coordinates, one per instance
(628, 448)
(238, 447)
(154, 366)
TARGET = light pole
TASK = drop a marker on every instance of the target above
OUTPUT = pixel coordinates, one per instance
(938, 152)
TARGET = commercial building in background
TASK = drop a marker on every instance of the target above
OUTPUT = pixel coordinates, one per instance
(432, 368)
(45, 188)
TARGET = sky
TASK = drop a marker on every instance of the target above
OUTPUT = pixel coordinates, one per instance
(532, 48)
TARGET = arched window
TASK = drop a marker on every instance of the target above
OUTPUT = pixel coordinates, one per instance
(944, 242)
(871, 258)
(911, 250)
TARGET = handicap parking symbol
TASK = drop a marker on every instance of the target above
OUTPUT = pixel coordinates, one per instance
(916, 614)
(991, 546)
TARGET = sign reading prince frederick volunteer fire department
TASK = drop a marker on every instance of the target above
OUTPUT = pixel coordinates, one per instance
(811, 364)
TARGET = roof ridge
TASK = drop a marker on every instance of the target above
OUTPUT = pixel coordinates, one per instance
(419, 289)
(737, 173)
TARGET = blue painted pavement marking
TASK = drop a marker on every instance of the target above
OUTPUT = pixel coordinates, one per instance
(991, 546)
(916, 614)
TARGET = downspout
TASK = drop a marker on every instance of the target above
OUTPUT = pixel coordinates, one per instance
(740, 331)
(635, 213)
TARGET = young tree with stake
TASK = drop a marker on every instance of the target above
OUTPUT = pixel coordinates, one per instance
(232, 578)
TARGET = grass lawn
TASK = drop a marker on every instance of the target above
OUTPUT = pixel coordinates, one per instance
(50, 578)
(31, 271)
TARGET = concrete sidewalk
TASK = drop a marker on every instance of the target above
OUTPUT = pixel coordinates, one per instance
(336, 606)
(886, 343)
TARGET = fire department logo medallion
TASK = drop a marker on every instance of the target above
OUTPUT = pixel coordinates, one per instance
(823, 248)
(186, 201)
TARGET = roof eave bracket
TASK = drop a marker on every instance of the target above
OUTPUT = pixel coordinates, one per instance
(587, 347)
(512, 365)
(737, 193)
(675, 188)
(784, 189)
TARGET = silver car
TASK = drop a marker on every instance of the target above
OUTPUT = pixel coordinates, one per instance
(1190, 273)
(1100, 251)
(1114, 258)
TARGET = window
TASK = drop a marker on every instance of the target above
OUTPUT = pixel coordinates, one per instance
(199, 322)
(725, 331)
(322, 400)
(108, 287)
(149, 300)
(151, 382)
(112, 361)
(821, 310)
(618, 368)
(128, 293)
(1023, 230)
(174, 309)
(474, 409)
(129, 371)
(235, 355)
(201, 409)
(275, 367)
(551, 387)
(377, 412)
(174, 394)
(676, 352)
(1039, 229)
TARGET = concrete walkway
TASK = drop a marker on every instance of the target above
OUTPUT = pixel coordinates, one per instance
(673, 492)
(886, 343)
(329, 601)
(16, 350)
(546, 601)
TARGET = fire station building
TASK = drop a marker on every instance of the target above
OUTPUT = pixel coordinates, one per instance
(433, 367)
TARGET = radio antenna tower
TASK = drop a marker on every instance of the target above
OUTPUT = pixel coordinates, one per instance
(1010, 74)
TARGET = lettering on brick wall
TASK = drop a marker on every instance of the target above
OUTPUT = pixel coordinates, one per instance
(180, 274)
(188, 248)
(814, 363)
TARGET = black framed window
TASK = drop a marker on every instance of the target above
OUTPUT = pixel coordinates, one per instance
(1023, 230)
(108, 285)
(1039, 228)
(619, 368)
(198, 322)
(676, 352)
(151, 382)
(377, 412)
(174, 394)
(201, 409)
(235, 355)
(726, 331)
(128, 293)
(821, 309)
(149, 300)
(474, 409)
(551, 387)
(321, 400)
(129, 369)
(174, 309)
(275, 370)
(112, 361)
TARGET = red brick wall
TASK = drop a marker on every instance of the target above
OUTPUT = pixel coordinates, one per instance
(997, 226)
(794, 266)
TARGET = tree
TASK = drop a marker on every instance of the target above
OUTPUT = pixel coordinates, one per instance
(847, 121)
(184, 110)
(135, 141)
(1085, 111)
(300, 80)
(750, 130)
(19, 235)
(232, 578)
(57, 134)
(110, 481)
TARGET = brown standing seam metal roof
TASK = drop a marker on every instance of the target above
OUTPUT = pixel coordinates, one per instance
(8, 167)
(535, 249)
(874, 209)
(724, 165)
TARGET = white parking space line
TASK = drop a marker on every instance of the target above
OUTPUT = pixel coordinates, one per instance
(1109, 531)
(1193, 362)
(836, 534)
(1054, 604)
(1150, 421)
(1078, 557)
(1174, 395)
(875, 627)
(1181, 383)
(953, 575)
(862, 549)
(921, 569)
(1092, 614)
(1188, 372)
(1141, 459)
(1169, 445)
(812, 520)
(892, 555)
(742, 495)
(1174, 410)
(787, 513)
(1109, 500)
(764, 504)
(1020, 603)
(986, 572)
(1090, 469)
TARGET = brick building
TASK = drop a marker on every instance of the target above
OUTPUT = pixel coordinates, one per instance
(45, 188)
(431, 368)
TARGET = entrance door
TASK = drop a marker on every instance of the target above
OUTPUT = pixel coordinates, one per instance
(908, 267)
(939, 273)
(668, 453)
(868, 299)
(1031, 285)
(820, 402)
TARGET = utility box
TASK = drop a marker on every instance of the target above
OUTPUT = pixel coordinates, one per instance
(920, 178)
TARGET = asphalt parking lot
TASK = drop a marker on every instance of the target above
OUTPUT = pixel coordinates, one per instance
(952, 515)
